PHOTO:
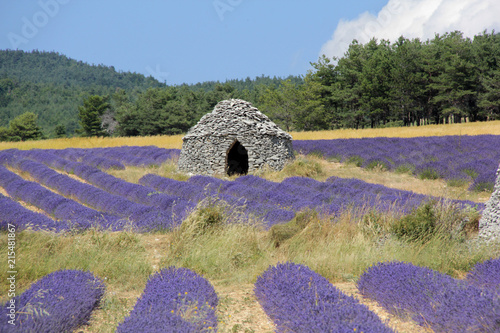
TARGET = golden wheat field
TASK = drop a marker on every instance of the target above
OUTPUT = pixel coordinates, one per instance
(175, 141)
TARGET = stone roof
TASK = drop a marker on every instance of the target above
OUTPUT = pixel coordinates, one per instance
(235, 117)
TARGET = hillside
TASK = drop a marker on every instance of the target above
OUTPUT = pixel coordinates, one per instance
(51, 67)
(52, 85)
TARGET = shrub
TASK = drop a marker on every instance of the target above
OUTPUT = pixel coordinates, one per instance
(431, 298)
(281, 232)
(59, 302)
(174, 300)
(418, 225)
(298, 299)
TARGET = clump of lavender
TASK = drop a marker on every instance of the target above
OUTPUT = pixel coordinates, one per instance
(486, 275)
(174, 300)
(299, 300)
(458, 159)
(430, 298)
(59, 302)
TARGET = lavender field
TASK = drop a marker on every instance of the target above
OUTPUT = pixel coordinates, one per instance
(158, 203)
(72, 192)
(295, 297)
(458, 159)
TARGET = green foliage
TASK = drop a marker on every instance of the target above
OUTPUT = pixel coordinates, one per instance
(429, 173)
(483, 186)
(294, 106)
(281, 232)
(355, 160)
(91, 113)
(417, 226)
(60, 131)
(24, 128)
(437, 220)
(447, 78)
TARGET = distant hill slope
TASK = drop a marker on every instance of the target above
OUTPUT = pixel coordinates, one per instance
(52, 86)
(52, 67)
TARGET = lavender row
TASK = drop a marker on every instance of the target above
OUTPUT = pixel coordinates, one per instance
(144, 218)
(174, 300)
(22, 218)
(299, 300)
(200, 187)
(486, 275)
(88, 157)
(59, 302)
(61, 208)
(431, 298)
(118, 157)
(277, 202)
(150, 153)
(468, 158)
(176, 206)
(331, 196)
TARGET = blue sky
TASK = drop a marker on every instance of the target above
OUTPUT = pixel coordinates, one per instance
(189, 41)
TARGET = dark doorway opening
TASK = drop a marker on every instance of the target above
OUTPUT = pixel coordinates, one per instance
(237, 160)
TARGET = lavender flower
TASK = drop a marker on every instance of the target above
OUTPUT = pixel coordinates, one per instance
(486, 275)
(59, 302)
(449, 157)
(299, 300)
(431, 298)
(174, 300)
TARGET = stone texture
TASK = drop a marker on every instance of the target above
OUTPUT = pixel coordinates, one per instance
(206, 145)
(489, 225)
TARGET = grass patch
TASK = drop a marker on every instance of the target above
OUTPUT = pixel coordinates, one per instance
(302, 166)
(167, 169)
(440, 220)
(354, 160)
(215, 241)
(116, 257)
(429, 173)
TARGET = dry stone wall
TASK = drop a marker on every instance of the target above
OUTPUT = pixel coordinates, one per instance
(489, 225)
(206, 146)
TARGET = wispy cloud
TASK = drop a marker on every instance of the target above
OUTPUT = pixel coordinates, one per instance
(415, 18)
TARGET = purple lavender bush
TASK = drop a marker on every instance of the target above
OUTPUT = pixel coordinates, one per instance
(299, 300)
(143, 217)
(174, 300)
(53, 204)
(22, 218)
(486, 275)
(430, 298)
(59, 302)
(454, 158)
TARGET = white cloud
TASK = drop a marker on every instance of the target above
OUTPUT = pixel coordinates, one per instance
(416, 18)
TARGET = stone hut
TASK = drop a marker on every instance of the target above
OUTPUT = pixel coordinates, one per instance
(236, 138)
(489, 225)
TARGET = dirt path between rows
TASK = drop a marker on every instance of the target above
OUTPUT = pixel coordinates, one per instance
(239, 310)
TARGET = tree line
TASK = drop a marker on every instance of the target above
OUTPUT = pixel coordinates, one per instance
(450, 78)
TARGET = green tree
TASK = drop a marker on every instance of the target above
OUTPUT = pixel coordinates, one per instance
(25, 127)
(486, 50)
(60, 131)
(91, 113)
(457, 79)
(408, 82)
(4, 134)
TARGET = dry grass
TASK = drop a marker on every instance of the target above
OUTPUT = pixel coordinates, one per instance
(163, 141)
(175, 141)
(477, 128)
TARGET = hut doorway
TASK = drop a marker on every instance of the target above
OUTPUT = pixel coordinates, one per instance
(237, 159)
